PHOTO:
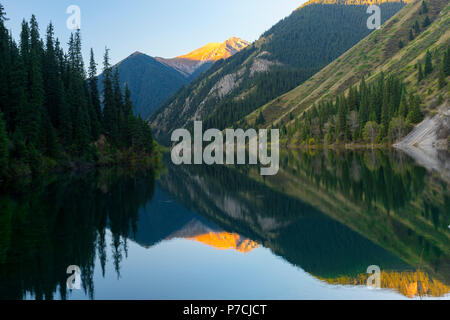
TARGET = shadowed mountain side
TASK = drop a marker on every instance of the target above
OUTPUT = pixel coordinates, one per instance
(150, 81)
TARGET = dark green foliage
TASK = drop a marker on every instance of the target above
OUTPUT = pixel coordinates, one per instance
(415, 114)
(428, 64)
(426, 22)
(424, 8)
(446, 62)
(51, 109)
(260, 120)
(151, 81)
(400, 44)
(420, 74)
(416, 28)
(4, 153)
(364, 114)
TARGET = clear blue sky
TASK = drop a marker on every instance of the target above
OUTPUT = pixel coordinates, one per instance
(165, 28)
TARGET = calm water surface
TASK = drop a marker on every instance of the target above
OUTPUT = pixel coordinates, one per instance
(198, 232)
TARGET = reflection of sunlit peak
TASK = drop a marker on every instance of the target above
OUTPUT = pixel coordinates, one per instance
(226, 241)
(408, 283)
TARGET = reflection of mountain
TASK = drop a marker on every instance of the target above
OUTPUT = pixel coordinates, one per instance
(164, 219)
(296, 231)
(323, 223)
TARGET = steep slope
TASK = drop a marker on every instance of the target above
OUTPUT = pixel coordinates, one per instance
(150, 81)
(205, 56)
(153, 80)
(395, 49)
(284, 56)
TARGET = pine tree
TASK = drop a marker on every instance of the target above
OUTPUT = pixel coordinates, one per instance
(415, 114)
(416, 28)
(109, 106)
(426, 22)
(428, 63)
(411, 35)
(442, 78)
(424, 8)
(3, 146)
(4, 61)
(446, 63)
(94, 95)
(420, 74)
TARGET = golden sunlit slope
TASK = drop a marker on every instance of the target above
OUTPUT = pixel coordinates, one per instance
(378, 52)
(208, 54)
(216, 51)
(408, 283)
(226, 241)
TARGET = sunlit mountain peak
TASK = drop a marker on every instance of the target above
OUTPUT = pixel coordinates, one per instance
(215, 51)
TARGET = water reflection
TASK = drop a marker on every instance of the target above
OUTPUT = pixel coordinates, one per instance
(330, 214)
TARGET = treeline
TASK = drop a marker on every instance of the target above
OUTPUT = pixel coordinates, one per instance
(382, 111)
(51, 111)
(368, 113)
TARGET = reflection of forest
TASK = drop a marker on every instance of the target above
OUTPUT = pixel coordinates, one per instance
(57, 223)
(332, 214)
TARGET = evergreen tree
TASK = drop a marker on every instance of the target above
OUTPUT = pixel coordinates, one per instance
(442, 79)
(94, 95)
(426, 22)
(110, 112)
(428, 63)
(415, 114)
(420, 74)
(416, 28)
(446, 62)
(4, 153)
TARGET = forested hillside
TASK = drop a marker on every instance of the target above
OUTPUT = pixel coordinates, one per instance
(50, 109)
(285, 56)
(377, 91)
(151, 81)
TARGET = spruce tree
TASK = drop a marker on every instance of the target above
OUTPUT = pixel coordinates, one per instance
(110, 112)
(446, 63)
(420, 74)
(4, 153)
(428, 63)
(94, 94)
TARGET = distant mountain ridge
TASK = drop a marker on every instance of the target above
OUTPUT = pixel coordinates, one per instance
(153, 79)
(188, 64)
